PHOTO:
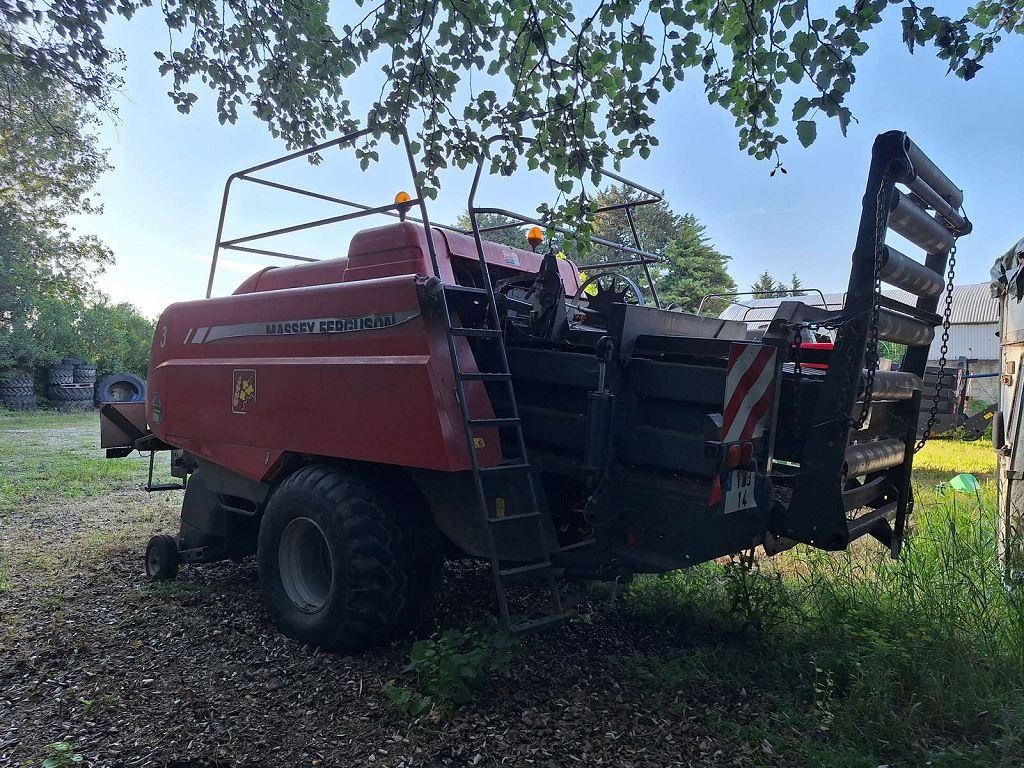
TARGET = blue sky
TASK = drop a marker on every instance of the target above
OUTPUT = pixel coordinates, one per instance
(163, 197)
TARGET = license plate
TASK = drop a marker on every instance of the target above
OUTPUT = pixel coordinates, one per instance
(739, 491)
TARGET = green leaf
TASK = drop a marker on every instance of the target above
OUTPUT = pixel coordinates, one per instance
(807, 132)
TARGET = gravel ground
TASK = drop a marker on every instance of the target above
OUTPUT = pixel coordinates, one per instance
(191, 673)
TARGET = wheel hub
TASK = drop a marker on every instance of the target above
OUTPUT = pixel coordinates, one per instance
(305, 563)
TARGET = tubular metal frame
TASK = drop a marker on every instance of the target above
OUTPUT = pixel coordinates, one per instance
(397, 210)
(642, 258)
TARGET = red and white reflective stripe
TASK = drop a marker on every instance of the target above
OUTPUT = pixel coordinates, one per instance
(749, 391)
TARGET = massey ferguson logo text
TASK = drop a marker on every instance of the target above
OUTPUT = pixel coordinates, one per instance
(336, 325)
(316, 326)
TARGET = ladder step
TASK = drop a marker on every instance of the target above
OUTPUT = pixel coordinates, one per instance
(506, 518)
(501, 468)
(485, 376)
(497, 423)
(479, 333)
(524, 571)
(532, 625)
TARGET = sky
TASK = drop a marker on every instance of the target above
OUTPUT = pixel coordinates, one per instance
(162, 198)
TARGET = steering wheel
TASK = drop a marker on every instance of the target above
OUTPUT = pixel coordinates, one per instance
(609, 288)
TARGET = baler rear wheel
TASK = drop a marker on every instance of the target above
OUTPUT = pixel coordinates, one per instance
(341, 564)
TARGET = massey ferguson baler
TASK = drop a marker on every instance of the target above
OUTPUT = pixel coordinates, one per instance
(353, 421)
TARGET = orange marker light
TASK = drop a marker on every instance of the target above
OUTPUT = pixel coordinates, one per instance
(733, 455)
(403, 201)
(534, 237)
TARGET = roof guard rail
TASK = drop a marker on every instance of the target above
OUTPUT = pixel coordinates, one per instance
(641, 257)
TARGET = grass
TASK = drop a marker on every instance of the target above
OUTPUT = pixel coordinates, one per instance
(47, 456)
(64, 506)
(854, 659)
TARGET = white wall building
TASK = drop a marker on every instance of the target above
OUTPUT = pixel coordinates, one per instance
(974, 320)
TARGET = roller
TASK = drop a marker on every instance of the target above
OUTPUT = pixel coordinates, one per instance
(904, 330)
(931, 198)
(923, 168)
(894, 385)
(865, 458)
(912, 276)
(913, 222)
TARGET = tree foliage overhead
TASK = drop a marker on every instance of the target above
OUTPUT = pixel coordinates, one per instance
(581, 80)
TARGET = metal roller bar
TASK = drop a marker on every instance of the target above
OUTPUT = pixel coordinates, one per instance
(904, 330)
(913, 222)
(933, 200)
(895, 385)
(912, 276)
(865, 458)
(924, 169)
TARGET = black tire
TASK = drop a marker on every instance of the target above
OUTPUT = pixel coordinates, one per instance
(16, 381)
(11, 392)
(68, 393)
(120, 388)
(61, 374)
(19, 403)
(337, 560)
(162, 558)
(84, 394)
(85, 374)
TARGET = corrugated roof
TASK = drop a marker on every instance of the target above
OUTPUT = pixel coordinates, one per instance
(971, 304)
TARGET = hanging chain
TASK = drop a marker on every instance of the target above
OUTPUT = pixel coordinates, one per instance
(943, 350)
(882, 206)
(797, 373)
(881, 224)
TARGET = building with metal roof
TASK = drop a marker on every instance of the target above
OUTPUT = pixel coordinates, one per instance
(974, 318)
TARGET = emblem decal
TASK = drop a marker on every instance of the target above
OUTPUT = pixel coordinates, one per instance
(243, 389)
(315, 326)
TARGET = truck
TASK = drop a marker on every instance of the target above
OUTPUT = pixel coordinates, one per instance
(354, 421)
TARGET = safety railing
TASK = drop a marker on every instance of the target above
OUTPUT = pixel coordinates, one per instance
(640, 257)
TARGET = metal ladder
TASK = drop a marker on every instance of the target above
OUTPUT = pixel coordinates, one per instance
(496, 523)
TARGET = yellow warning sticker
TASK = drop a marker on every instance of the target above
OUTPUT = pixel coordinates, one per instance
(478, 442)
(499, 507)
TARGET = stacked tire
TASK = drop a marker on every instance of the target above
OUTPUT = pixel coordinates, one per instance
(69, 390)
(120, 388)
(17, 392)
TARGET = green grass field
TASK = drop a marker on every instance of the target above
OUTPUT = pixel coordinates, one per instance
(47, 455)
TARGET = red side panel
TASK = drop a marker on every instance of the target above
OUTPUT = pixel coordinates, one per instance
(345, 370)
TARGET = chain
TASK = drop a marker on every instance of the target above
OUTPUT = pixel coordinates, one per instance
(881, 224)
(943, 351)
(798, 372)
